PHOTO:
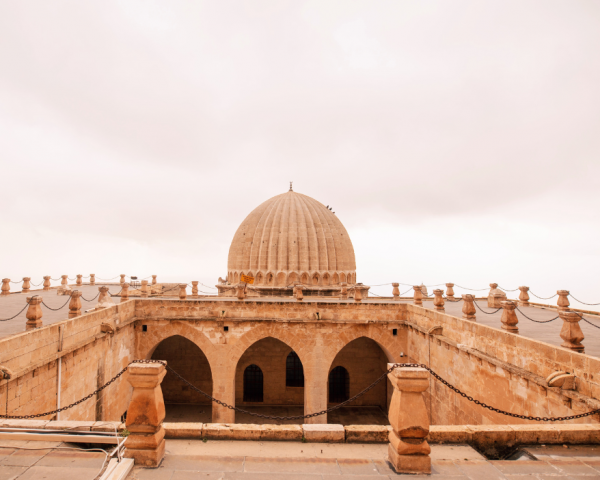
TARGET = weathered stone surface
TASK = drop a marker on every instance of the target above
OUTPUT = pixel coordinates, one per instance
(183, 430)
(34, 313)
(324, 433)
(239, 431)
(367, 433)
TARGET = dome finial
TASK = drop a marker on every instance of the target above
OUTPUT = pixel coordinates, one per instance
(291, 190)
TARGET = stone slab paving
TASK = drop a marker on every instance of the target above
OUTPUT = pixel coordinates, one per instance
(229, 460)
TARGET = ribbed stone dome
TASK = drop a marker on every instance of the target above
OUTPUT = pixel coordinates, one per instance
(289, 238)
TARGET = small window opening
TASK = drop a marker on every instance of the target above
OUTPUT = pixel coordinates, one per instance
(253, 384)
(395, 331)
(225, 329)
(294, 372)
(339, 385)
(144, 328)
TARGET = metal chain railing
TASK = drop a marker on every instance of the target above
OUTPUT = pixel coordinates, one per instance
(92, 299)
(487, 313)
(583, 303)
(11, 318)
(59, 308)
(536, 321)
(544, 298)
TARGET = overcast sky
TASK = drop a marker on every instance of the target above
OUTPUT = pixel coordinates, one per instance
(456, 141)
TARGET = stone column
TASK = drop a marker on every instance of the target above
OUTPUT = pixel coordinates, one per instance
(358, 293)
(145, 414)
(408, 450)
(79, 280)
(315, 387)
(438, 301)
(344, 291)
(563, 300)
(418, 296)
(194, 288)
(182, 291)
(298, 293)
(223, 389)
(153, 279)
(47, 283)
(125, 292)
(5, 286)
(144, 288)
(524, 297)
(571, 331)
(75, 304)
(509, 317)
(395, 291)
(468, 307)
(26, 285)
(92, 279)
(34, 313)
(122, 281)
(450, 291)
(241, 291)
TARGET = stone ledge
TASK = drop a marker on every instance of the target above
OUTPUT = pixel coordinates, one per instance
(183, 430)
(240, 431)
(367, 433)
(323, 433)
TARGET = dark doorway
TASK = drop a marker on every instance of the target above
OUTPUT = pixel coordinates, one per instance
(339, 385)
(294, 373)
(253, 384)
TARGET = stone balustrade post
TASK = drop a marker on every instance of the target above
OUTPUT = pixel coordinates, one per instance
(92, 279)
(563, 300)
(5, 286)
(241, 291)
(195, 288)
(34, 313)
(344, 291)
(64, 282)
(145, 414)
(122, 281)
(79, 282)
(450, 291)
(46, 283)
(496, 296)
(395, 291)
(125, 292)
(438, 301)
(104, 299)
(64, 288)
(571, 331)
(75, 304)
(298, 293)
(524, 297)
(417, 296)
(182, 291)
(358, 293)
(408, 451)
(509, 317)
(144, 288)
(26, 285)
(468, 309)
(153, 279)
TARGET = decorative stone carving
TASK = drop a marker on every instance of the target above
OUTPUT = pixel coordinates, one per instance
(153, 279)
(125, 292)
(104, 299)
(571, 331)
(438, 301)
(107, 327)
(418, 296)
(496, 296)
(144, 288)
(562, 380)
(47, 283)
(79, 280)
(298, 292)
(509, 317)
(344, 291)
(75, 304)
(395, 291)
(468, 309)
(194, 288)
(92, 279)
(182, 291)
(358, 293)
(26, 285)
(64, 288)
(524, 297)
(408, 450)
(450, 291)
(5, 286)
(34, 313)
(241, 291)
(145, 414)
(563, 300)
(122, 281)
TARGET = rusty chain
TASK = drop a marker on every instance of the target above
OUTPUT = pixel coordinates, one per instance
(11, 318)
(487, 313)
(536, 321)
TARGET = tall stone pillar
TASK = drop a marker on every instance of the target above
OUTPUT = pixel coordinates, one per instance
(34, 313)
(47, 282)
(125, 292)
(450, 291)
(315, 389)
(182, 291)
(509, 318)
(92, 279)
(395, 291)
(153, 279)
(75, 304)
(418, 296)
(79, 282)
(524, 297)
(144, 289)
(145, 414)
(26, 285)
(571, 331)
(223, 389)
(563, 300)
(408, 450)
(468, 306)
(195, 288)
(122, 281)
(438, 301)
(5, 286)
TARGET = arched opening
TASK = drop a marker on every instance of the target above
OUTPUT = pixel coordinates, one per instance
(356, 366)
(253, 384)
(259, 278)
(335, 279)
(292, 278)
(281, 279)
(342, 277)
(326, 279)
(236, 278)
(315, 279)
(270, 279)
(304, 279)
(182, 403)
(272, 358)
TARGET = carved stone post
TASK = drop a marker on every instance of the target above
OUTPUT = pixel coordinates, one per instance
(125, 292)
(524, 297)
(438, 301)
(64, 281)
(144, 289)
(47, 283)
(408, 450)
(104, 298)
(358, 293)
(195, 289)
(509, 317)
(241, 291)
(5, 286)
(496, 296)
(418, 295)
(75, 304)
(79, 280)
(182, 291)
(468, 307)
(571, 331)
(153, 279)
(122, 275)
(26, 285)
(92, 279)
(145, 414)
(563, 300)
(298, 293)
(450, 291)
(34, 313)
(344, 291)
(395, 291)
(64, 288)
